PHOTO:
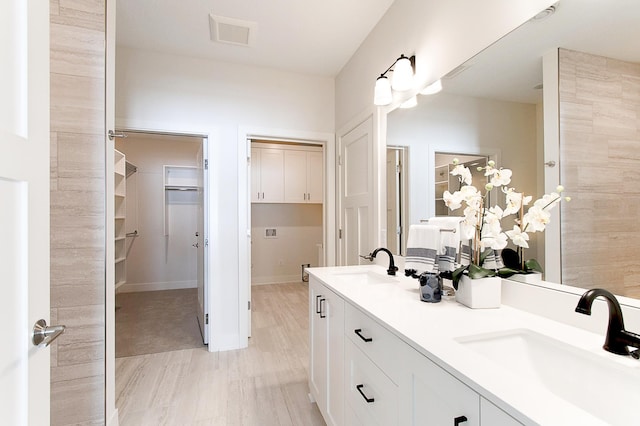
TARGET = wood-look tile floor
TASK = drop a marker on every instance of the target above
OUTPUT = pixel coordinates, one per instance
(262, 385)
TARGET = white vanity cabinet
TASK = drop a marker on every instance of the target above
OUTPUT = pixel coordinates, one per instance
(430, 395)
(326, 344)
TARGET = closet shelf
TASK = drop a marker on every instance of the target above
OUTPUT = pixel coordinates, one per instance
(120, 259)
(119, 284)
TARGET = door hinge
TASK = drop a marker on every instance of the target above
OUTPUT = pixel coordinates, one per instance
(249, 305)
(339, 234)
(206, 318)
(206, 242)
(206, 164)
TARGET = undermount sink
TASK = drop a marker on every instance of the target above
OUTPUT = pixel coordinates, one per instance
(367, 277)
(600, 386)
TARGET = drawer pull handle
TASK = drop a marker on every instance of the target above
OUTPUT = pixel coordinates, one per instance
(317, 308)
(460, 419)
(358, 331)
(322, 316)
(369, 400)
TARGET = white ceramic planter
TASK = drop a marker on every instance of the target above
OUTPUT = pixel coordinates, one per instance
(532, 278)
(481, 293)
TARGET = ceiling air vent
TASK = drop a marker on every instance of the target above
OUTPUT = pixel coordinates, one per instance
(232, 31)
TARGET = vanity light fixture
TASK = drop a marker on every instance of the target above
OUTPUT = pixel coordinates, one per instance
(432, 88)
(402, 80)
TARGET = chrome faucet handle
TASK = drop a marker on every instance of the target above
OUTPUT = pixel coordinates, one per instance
(367, 257)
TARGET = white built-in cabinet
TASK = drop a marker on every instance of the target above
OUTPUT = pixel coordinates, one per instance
(382, 379)
(303, 176)
(326, 337)
(286, 173)
(120, 212)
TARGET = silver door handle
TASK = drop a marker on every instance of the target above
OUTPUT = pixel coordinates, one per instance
(42, 333)
(196, 245)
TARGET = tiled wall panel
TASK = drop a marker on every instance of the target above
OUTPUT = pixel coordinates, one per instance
(600, 166)
(77, 210)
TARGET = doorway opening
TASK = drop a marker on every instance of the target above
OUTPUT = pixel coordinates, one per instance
(160, 242)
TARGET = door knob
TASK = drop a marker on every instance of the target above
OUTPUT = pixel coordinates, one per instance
(42, 333)
(196, 245)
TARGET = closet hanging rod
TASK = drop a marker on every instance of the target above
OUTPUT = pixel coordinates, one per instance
(441, 230)
(132, 234)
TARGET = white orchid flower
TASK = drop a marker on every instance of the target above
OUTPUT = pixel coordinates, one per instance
(463, 172)
(536, 219)
(501, 177)
(453, 201)
(518, 237)
(495, 241)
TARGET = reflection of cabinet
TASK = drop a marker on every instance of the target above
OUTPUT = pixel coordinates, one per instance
(302, 176)
(120, 209)
(267, 175)
(326, 341)
(180, 185)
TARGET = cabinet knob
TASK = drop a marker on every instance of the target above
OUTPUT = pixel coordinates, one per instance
(459, 419)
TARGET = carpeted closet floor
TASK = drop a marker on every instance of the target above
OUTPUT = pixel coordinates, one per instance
(156, 321)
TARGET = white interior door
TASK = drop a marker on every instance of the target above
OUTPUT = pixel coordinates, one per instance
(24, 210)
(356, 192)
(201, 246)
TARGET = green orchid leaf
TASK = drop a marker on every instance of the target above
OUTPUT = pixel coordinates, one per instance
(532, 265)
(507, 272)
(476, 272)
(484, 255)
(457, 274)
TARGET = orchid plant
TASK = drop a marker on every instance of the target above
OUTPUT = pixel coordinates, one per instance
(482, 225)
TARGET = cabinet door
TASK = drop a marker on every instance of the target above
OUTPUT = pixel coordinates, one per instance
(255, 175)
(315, 177)
(326, 347)
(431, 396)
(272, 175)
(335, 358)
(295, 177)
(490, 415)
(317, 345)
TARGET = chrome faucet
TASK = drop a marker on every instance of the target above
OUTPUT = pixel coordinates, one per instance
(392, 266)
(617, 338)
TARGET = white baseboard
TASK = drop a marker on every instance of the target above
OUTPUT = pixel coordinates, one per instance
(168, 285)
(275, 279)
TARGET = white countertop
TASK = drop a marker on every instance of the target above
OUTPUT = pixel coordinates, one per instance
(431, 328)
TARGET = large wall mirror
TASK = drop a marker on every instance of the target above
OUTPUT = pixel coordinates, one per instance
(492, 106)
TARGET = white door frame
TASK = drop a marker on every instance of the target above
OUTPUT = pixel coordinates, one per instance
(327, 140)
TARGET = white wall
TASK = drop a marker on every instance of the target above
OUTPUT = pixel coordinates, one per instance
(454, 123)
(156, 261)
(155, 91)
(299, 230)
(442, 35)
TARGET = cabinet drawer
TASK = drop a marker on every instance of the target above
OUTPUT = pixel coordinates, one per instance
(371, 395)
(374, 340)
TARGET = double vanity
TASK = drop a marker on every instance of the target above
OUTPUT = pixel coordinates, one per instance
(380, 356)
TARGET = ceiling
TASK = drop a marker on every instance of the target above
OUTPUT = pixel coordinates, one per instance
(300, 36)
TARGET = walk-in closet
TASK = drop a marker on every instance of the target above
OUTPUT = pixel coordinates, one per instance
(158, 243)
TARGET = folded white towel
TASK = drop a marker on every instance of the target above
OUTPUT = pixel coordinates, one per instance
(492, 261)
(423, 244)
(449, 241)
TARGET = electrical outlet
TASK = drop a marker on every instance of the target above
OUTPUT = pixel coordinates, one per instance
(270, 233)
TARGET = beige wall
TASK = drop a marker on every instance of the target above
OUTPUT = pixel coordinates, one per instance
(600, 167)
(299, 230)
(77, 211)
